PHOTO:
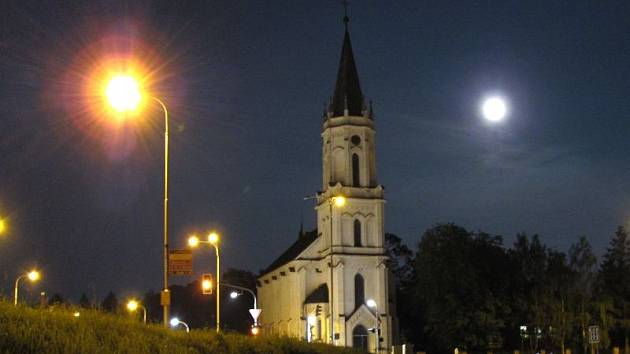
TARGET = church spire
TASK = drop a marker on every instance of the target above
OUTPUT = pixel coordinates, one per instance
(348, 95)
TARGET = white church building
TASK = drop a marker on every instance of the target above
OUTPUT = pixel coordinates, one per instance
(321, 287)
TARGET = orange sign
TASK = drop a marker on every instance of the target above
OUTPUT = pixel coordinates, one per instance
(180, 262)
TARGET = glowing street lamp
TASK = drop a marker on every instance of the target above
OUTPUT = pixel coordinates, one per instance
(213, 239)
(176, 322)
(123, 93)
(3, 226)
(133, 305)
(33, 276)
(338, 201)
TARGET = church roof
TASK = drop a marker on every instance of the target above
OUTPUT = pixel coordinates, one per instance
(347, 89)
(318, 295)
(293, 251)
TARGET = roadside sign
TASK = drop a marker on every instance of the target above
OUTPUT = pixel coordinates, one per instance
(255, 313)
(180, 262)
(593, 334)
(165, 298)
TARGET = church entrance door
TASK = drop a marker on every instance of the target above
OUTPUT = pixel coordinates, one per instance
(360, 338)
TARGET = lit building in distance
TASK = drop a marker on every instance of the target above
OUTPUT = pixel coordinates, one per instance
(300, 292)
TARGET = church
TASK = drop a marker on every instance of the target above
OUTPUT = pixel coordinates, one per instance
(332, 285)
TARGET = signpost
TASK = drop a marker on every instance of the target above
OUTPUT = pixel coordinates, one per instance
(180, 262)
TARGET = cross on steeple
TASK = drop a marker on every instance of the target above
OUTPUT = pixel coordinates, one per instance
(346, 19)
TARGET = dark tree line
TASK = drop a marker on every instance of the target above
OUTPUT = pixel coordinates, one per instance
(466, 290)
(188, 303)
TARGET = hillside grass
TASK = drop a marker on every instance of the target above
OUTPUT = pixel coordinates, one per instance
(56, 330)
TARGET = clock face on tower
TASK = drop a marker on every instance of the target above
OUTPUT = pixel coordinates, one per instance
(356, 140)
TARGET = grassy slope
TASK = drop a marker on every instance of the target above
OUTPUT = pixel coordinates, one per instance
(27, 330)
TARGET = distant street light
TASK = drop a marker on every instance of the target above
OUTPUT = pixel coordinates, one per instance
(494, 109)
(235, 294)
(33, 276)
(124, 94)
(3, 227)
(133, 305)
(377, 346)
(176, 322)
(213, 239)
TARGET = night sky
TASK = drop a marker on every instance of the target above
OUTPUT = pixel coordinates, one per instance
(245, 83)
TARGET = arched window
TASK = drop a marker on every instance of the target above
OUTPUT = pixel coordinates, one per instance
(355, 171)
(360, 338)
(357, 233)
(359, 291)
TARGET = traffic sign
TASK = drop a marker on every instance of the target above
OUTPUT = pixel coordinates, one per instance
(593, 334)
(180, 262)
(255, 313)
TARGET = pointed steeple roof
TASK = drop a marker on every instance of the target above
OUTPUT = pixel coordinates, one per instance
(348, 93)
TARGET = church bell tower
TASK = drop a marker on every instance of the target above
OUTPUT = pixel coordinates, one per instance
(352, 234)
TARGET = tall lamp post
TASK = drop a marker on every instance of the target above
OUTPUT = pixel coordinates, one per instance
(33, 276)
(377, 345)
(123, 94)
(213, 239)
(336, 201)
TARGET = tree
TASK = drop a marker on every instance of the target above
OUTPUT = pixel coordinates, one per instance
(84, 301)
(400, 263)
(400, 259)
(461, 296)
(614, 288)
(56, 299)
(583, 263)
(110, 303)
(530, 258)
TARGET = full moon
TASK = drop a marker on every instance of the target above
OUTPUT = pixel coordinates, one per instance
(494, 109)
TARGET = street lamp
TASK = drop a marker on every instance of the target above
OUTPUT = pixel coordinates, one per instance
(133, 305)
(33, 276)
(124, 94)
(213, 239)
(3, 227)
(377, 345)
(176, 322)
(338, 201)
(235, 294)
